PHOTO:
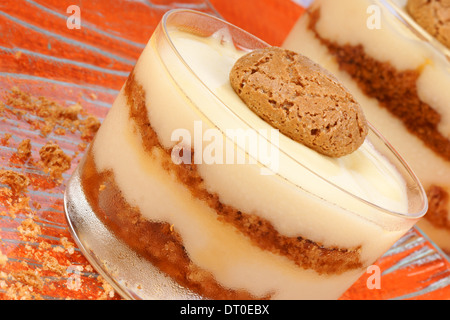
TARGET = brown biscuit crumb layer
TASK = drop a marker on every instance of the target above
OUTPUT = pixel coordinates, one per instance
(438, 201)
(301, 99)
(24, 150)
(433, 16)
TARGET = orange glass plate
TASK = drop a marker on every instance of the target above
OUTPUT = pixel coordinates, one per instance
(47, 66)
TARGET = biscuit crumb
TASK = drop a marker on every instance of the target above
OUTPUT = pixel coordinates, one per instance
(18, 54)
(17, 181)
(5, 140)
(109, 290)
(30, 278)
(29, 228)
(89, 127)
(301, 99)
(24, 150)
(51, 264)
(54, 160)
(53, 117)
(69, 246)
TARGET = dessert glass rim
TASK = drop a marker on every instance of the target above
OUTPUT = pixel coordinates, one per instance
(419, 210)
(402, 16)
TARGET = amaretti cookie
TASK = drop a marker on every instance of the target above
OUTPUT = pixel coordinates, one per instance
(301, 99)
(222, 202)
(400, 75)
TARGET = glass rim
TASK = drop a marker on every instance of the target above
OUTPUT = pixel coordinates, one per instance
(408, 171)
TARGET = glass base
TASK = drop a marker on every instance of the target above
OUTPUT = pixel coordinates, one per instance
(130, 275)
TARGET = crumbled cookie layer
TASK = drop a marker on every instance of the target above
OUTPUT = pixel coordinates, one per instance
(54, 160)
(438, 199)
(301, 99)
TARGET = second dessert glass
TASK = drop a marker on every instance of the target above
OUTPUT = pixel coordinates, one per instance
(162, 210)
(400, 75)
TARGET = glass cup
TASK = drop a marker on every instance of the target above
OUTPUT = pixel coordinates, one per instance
(186, 194)
(400, 74)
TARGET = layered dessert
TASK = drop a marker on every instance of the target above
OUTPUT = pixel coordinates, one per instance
(400, 74)
(188, 176)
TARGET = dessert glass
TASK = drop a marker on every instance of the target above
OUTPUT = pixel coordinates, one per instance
(160, 225)
(400, 74)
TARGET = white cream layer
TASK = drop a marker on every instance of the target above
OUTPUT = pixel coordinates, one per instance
(291, 210)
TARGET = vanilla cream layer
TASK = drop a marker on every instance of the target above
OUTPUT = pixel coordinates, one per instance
(430, 168)
(355, 23)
